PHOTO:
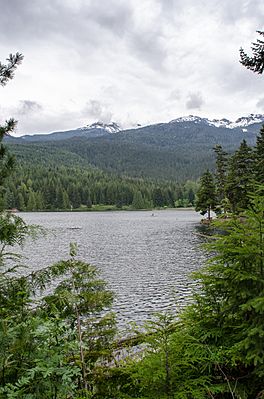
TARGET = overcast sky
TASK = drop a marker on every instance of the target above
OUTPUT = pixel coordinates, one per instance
(128, 61)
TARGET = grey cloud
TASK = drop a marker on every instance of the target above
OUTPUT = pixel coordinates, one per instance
(97, 111)
(260, 104)
(47, 122)
(172, 8)
(40, 19)
(168, 4)
(232, 11)
(235, 78)
(114, 15)
(195, 101)
(148, 47)
(28, 18)
(86, 27)
(27, 107)
(174, 95)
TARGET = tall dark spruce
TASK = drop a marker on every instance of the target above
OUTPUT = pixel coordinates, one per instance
(255, 62)
(6, 159)
(239, 181)
(206, 195)
(259, 157)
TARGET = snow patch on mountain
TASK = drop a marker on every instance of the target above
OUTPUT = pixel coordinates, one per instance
(248, 120)
(242, 122)
(110, 127)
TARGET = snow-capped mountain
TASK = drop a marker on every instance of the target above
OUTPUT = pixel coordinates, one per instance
(109, 128)
(96, 129)
(242, 122)
(214, 130)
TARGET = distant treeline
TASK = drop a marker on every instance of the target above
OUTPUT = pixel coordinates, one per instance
(236, 177)
(50, 187)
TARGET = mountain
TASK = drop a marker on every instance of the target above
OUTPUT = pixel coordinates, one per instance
(179, 150)
(102, 127)
(244, 122)
(94, 130)
(249, 123)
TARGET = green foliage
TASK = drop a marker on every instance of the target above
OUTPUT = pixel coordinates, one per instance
(206, 195)
(51, 344)
(6, 159)
(215, 348)
(7, 71)
(256, 62)
(13, 230)
(56, 330)
(173, 364)
(229, 312)
(44, 186)
(235, 177)
(239, 177)
(54, 323)
(259, 157)
(220, 175)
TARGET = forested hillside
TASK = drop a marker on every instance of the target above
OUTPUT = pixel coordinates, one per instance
(47, 178)
(147, 167)
(176, 151)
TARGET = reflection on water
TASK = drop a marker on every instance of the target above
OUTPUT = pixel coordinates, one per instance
(145, 259)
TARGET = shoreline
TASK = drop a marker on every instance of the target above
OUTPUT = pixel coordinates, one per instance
(101, 210)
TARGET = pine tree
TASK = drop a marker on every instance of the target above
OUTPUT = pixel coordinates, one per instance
(138, 201)
(259, 157)
(206, 195)
(157, 197)
(6, 159)
(256, 62)
(7, 70)
(228, 314)
(240, 177)
(31, 205)
(220, 174)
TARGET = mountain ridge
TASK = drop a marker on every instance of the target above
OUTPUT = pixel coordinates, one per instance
(178, 149)
(98, 129)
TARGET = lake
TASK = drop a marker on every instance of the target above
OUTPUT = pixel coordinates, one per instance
(145, 257)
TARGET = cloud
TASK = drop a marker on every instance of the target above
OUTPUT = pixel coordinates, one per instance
(114, 16)
(133, 57)
(80, 22)
(97, 111)
(233, 11)
(260, 103)
(149, 47)
(28, 107)
(194, 101)
(175, 95)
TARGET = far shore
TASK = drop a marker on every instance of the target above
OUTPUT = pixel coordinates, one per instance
(102, 209)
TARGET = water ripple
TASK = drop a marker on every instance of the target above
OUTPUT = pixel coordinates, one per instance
(145, 260)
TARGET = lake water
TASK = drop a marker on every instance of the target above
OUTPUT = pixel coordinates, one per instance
(146, 259)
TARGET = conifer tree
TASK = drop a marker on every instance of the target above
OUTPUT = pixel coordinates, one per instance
(259, 157)
(240, 177)
(256, 62)
(6, 159)
(228, 314)
(206, 195)
(220, 174)
(138, 201)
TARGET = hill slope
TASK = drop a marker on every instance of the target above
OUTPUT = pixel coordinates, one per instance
(179, 150)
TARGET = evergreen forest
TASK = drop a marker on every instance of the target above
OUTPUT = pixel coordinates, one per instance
(50, 178)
